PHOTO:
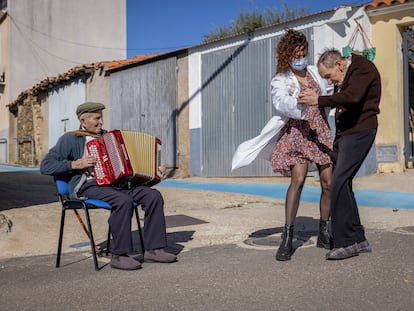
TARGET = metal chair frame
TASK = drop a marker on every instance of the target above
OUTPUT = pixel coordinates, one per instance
(86, 205)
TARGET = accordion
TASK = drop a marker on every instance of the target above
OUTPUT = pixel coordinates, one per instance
(126, 156)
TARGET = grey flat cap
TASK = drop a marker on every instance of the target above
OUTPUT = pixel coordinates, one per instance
(88, 107)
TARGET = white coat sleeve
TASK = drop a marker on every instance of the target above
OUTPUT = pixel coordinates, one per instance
(284, 98)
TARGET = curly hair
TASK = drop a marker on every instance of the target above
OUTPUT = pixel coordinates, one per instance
(288, 45)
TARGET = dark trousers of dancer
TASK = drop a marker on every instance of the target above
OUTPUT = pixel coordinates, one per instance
(349, 152)
(122, 200)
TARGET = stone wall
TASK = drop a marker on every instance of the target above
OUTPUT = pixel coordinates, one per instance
(29, 143)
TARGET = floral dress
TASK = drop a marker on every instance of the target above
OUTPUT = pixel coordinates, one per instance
(304, 141)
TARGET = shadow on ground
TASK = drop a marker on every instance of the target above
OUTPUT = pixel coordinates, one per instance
(305, 229)
(24, 189)
(174, 241)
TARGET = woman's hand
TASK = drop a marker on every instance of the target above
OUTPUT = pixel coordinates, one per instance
(308, 97)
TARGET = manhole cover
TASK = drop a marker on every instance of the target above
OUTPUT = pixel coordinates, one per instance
(405, 230)
(275, 240)
(266, 241)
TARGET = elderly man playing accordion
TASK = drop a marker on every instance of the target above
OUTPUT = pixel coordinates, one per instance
(69, 157)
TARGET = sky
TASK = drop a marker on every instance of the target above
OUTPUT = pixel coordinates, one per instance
(157, 26)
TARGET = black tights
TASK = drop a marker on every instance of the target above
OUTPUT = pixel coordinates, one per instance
(299, 172)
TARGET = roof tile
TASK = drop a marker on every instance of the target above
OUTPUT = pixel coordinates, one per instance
(77, 71)
(378, 3)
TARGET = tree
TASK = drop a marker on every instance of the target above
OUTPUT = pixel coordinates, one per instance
(249, 21)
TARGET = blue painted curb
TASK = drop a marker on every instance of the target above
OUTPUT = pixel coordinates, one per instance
(11, 168)
(375, 198)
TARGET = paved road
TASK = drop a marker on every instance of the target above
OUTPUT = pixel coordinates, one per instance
(224, 277)
(226, 244)
(25, 189)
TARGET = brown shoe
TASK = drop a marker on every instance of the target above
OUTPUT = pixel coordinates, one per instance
(124, 262)
(159, 255)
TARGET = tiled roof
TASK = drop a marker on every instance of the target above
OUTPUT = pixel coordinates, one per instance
(120, 63)
(76, 72)
(378, 3)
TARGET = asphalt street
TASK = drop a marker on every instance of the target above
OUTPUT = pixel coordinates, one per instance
(226, 243)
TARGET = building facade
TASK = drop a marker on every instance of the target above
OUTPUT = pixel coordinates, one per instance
(40, 39)
(205, 100)
(230, 95)
(392, 26)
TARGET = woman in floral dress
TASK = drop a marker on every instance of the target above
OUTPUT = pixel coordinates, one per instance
(303, 141)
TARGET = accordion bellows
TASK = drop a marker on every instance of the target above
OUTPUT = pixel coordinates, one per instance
(126, 156)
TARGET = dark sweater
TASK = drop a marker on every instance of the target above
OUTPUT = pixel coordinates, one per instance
(58, 161)
(357, 103)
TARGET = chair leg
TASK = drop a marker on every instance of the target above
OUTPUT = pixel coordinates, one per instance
(108, 240)
(140, 231)
(92, 241)
(141, 239)
(62, 224)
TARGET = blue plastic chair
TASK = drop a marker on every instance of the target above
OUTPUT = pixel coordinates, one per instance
(86, 205)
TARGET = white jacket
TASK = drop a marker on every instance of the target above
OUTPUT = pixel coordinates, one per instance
(285, 91)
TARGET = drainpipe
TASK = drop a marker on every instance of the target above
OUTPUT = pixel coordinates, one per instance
(4, 141)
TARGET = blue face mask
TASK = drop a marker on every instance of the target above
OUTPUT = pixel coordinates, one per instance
(299, 63)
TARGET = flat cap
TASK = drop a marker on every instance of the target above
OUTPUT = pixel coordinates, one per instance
(88, 107)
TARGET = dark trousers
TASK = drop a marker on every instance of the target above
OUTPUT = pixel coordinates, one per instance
(349, 152)
(121, 200)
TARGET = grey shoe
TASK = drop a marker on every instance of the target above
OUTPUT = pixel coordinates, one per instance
(364, 247)
(124, 262)
(159, 255)
(343, 252)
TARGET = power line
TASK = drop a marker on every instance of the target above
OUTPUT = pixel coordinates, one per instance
(35, 54)
(16, 22)
(64, 40)
(33, 43)
(158, 48)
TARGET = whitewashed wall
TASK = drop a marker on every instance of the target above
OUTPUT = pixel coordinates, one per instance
(62, 104)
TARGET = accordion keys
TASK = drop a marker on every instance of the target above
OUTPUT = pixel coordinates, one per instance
(126, 156)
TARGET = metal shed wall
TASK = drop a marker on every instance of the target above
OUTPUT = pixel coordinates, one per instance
(236, 102)
(144, 99)
(63, 101)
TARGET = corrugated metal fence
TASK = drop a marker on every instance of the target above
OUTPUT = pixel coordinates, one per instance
(144, 99)
(236, 103)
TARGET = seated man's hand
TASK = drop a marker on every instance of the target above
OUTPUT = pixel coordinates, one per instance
(83, 163)
(162, 169)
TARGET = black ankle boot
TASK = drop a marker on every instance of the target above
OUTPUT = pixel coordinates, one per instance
(285, 250)
(324, 238)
